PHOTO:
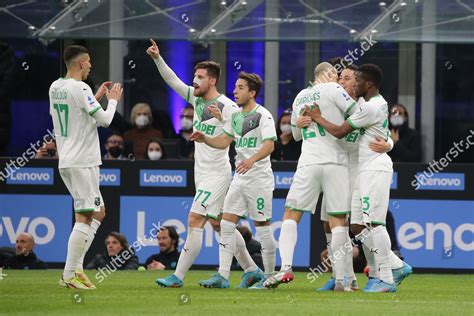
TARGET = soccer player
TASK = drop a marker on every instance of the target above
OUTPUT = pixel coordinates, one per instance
(76, 112)
(347, 81)
(372, 187)
(252, 129)
(322, 167)
(212, 171)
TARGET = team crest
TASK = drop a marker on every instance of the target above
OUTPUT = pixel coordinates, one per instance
(252, 123)
(97, 201)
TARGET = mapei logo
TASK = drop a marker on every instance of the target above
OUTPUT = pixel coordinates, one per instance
(439, 181)
(163, 178)
(34, 176)
(283, 180)
(109, 177)
(41, 228)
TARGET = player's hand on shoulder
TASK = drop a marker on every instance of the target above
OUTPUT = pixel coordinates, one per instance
(115, 93)
(197, 137)
(153, 50)
(303, 121)
(215, 111)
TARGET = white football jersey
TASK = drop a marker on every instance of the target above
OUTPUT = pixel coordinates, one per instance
(72, 108)
(319, 146)
(352, 141)
(250, 131)
(210, 160)
(371, 119)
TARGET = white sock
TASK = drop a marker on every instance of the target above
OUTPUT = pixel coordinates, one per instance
(288, 238)
(382, 245)
(190, 251)
(395, 262)
(339, 238)
(92, 231)
(364, 237)
(75, 247)
(242, 254)
(227, 247)
(349, 261)
(265, 236)
(328, 247)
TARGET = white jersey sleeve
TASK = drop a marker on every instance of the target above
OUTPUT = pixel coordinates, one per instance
(362, 117)
(268, 131)
(342, 99)
(86, 99)
(227, 128)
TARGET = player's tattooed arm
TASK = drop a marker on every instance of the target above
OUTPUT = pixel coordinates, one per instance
(338, 131)
(267, 148)
(220, 142)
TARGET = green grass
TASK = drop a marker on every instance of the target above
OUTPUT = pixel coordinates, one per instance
(135, 293)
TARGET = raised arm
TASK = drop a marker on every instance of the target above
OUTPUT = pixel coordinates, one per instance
(168, 74)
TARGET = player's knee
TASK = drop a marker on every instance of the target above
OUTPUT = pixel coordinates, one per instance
(326, 228)
(196, 220)
(293, 215)
(262, 224)
(100, 215)
(216, 224)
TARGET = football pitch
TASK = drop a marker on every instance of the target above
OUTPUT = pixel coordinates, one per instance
(135, 293)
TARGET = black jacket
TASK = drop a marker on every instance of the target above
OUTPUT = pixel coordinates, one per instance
(168, 259)
(290, 151)
(408, 147)
(29, 262)
(118, 262)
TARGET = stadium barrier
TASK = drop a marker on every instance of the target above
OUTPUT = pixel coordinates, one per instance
(434, 212)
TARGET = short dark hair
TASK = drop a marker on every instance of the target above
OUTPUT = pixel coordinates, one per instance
(72, 52)
(253, 81)
(213, 69)
(372, 73)
(173, 234)
(352, 67)
(343, 63)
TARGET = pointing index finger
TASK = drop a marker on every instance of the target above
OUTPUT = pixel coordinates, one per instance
(153, 42)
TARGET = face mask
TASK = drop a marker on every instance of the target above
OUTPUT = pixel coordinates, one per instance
(285, 128)
(154, 155)
(142, 120)
(115, 151)
(186, 124)
(396, 120)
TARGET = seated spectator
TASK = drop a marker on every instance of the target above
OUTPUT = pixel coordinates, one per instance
(114, 147)
(186, 147)
(142, 131)
(253, 246)
(406, 141)
(168, 240)
(24, 257)
(162, 122)
(119, 255)
(155, 150)
(286, 148)
(47, 150)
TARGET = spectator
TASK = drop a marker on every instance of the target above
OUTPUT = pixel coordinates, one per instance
(155, 150)
(168, 240)
(114, 147)
(162, 122)
(407, 141)
(119, 255)
(286, 148)
(186, 147)
(47, 150)
(24, 257)
(142, 131)
(253, 246)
